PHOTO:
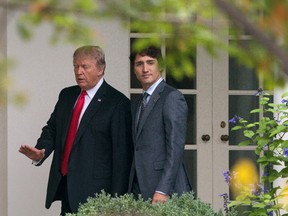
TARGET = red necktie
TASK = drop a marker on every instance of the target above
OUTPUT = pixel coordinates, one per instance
(72, 132)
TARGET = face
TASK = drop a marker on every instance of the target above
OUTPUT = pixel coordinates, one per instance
(147, 70)
(87, 73)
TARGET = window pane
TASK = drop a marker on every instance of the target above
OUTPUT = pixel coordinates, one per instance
(190, 161)
(240, 76)
(134, 83)
(241, 105)
(186, 82)
(191, 123)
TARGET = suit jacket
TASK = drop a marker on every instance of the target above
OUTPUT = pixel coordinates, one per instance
(159, 143)
(101, 155)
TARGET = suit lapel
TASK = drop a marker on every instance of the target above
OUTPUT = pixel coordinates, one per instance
(149, 107)
(91, 110)
(67, 114)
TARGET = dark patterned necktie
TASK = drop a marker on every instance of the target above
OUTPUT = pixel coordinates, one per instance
(142, 107)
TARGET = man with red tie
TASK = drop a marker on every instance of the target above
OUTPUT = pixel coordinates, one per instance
(89, 133)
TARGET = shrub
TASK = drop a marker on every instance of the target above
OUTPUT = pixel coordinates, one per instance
(105, 205)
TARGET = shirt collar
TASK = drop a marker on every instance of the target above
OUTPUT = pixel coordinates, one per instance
(91, 92)
(151, 89)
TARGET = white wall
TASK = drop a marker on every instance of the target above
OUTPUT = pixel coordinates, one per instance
(3, 124)
(41, 72)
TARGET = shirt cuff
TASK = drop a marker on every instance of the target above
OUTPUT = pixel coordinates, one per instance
(34, 162)
(161, 193)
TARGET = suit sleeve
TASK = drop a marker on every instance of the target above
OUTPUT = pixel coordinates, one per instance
(175, 113)
(122, 147)
(47, 138)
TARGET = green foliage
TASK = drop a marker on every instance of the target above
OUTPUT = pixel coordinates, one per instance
(105, 205)
(271, 147)
(68, 27)
(182, 27)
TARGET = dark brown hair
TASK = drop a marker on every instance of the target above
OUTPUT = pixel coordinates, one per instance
(150, 51)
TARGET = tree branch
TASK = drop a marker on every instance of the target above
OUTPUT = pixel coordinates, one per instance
(237, 17)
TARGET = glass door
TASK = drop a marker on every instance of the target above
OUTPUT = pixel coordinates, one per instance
(234, 89)
(220, 89)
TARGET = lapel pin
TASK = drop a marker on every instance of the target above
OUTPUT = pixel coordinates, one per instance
(99, 99)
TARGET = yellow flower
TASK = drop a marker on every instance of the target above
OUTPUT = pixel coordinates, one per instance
(246, 179)
(283, 197)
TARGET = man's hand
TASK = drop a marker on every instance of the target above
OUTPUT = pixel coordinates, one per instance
(159, 198)
(32, 152)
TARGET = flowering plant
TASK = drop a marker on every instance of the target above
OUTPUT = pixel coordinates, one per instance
(262, 196)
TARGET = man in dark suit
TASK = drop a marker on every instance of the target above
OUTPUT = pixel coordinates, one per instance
(101, 154)
(158, 132)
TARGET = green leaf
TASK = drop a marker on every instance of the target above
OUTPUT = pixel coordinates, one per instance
(278, 130)
(271, 110)
(284, 144)
(236, 128)
(267, 159)
(87, 5)
(284, 172)
(248, 133)
(275, 144)
(264, 100)
(250, 125)
(258, 150)
(244, 143)
(259, 205)
(272, 178)
(263, 141)
(242, 121)
(256, 111)
(24, 30)
(267, 196)
(285, 95)
(272, 105)
(234, 203)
